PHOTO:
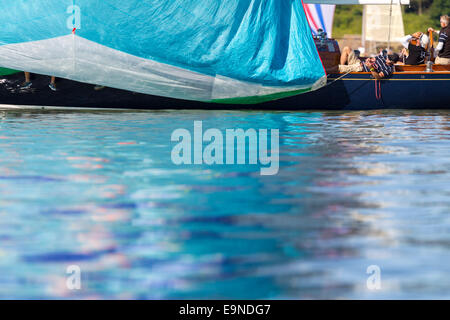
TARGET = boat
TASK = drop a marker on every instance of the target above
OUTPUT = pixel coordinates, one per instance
(247, 55)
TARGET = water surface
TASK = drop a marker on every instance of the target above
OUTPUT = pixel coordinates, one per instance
(98, 189)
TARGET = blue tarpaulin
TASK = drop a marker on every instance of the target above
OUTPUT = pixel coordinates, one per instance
(191, 49)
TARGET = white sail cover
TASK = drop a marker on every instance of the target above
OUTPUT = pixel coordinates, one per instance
(383, 23)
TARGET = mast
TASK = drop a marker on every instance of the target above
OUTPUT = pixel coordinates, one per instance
(390, 27)
(363, 36)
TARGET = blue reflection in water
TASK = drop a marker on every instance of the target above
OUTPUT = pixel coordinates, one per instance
(99, 190)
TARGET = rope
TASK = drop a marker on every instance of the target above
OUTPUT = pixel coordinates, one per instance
(338, 78)
(377, 85)
(378, 89)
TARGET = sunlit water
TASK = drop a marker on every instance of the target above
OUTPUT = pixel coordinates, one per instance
(98, 190)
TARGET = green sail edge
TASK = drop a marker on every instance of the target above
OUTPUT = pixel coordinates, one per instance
(260, 99)
(6, 72)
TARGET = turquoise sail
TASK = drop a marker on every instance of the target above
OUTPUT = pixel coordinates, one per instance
(241, 51)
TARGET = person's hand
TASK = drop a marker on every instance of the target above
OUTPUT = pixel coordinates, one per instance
(431, 30)
(370, 61)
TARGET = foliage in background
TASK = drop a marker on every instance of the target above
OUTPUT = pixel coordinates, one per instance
(348, 18)
(439, 8)
(413, 22)
(418, 6)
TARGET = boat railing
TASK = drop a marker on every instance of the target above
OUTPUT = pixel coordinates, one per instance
(421, 68)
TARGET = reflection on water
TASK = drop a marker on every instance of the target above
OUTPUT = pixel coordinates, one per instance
(98, 190)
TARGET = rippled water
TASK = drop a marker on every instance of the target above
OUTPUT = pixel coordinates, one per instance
(97, 189)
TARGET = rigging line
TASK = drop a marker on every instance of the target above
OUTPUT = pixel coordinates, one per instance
(390, 26)
(337, 78)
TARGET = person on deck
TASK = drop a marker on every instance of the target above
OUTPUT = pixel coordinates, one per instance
(349, 61)
(27, 84)
(416, 44)
(443, 48)
(380, 66)
(52, 84)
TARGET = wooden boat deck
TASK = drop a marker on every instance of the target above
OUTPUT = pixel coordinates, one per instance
(409, 69)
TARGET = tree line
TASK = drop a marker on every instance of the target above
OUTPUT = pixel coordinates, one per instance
(435, 8)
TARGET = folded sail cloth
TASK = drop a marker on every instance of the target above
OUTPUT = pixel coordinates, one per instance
(209, 50)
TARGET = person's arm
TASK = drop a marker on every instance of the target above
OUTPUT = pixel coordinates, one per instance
(432, 30)
(443, 37)
(438, 47)
(376, 75)
(370, 65)
(405, 41)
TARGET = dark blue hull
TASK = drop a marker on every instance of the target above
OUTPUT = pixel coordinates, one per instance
(355, 91)
(402, 91)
